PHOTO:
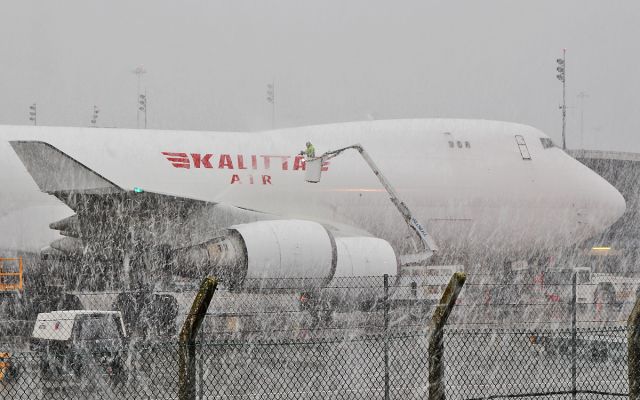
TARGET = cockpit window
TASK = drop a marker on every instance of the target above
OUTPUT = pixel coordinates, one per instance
(547, 143)
(522, 145)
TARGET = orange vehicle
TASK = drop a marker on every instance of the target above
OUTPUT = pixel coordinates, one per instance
(11, 274)
(8, 369)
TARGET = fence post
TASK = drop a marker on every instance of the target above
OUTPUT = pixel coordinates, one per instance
(386, 337)
(201, 372)
(436, 342)
(633, 349)
(573, 335)
(186, 347)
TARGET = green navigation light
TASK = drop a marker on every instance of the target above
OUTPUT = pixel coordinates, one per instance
(138, 189)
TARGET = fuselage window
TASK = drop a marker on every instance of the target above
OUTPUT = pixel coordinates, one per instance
(547, 143)
(459, 144)
(467, 145)
(522, 146)
(451, 143)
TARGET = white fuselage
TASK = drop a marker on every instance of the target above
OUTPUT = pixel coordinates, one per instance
(479, 195)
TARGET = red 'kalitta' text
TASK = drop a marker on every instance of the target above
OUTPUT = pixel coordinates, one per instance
(239, 162)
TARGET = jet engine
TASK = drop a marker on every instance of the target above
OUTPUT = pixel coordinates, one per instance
(285, 254)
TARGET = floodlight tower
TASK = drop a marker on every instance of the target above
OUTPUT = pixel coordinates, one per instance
(33, 114)
(94, 117)
(562, 77)
(142, 101)
(271, 98)
(139, 71)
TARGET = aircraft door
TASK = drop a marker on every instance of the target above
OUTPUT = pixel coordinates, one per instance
(522, 145)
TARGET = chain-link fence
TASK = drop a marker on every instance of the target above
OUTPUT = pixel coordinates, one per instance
(502, 363)
(351, 338)
(342, 302)
(126, 372)
(479, 364)
(344, 368)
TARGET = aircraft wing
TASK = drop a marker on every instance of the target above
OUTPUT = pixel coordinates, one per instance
(60, 175)
(109, 219)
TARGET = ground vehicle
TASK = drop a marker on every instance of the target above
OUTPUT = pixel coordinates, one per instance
(595, 346)
(11, 277)
(8, 368)
(425, 282)
(604, 291)
(80, 342)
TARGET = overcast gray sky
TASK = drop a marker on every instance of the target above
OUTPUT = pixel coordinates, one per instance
(209, 62)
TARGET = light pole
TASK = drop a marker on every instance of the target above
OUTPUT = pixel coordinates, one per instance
(582, 96)
(94, 117)
(139, 71)
(142, 100)
(271, 98)
(33, 114)
(562, 77)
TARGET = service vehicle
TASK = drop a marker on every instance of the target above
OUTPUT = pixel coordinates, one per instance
(80, 342)
(602, 290)
(595, 346)
(424, 282)
(8, 368)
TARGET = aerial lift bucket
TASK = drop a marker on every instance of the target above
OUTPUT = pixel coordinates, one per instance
(313, 170)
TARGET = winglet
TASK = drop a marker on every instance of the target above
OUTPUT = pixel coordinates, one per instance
(54, 171)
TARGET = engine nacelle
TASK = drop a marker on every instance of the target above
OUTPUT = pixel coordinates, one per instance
(364, 256)
(288, 249)
(286, 254)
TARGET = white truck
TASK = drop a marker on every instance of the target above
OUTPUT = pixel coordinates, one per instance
(425, 283)
(69, 341)
(604, 291)
(599, 296)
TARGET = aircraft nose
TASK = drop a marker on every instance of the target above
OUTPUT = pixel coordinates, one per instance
(607, 203)
(615, 203)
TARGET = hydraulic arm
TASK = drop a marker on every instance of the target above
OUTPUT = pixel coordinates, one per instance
(427, 243)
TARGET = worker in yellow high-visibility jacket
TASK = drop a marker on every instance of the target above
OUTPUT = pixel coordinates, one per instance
(310, 151)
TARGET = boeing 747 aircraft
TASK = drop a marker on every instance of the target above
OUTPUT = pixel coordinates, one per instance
(238, 204)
